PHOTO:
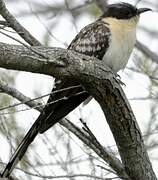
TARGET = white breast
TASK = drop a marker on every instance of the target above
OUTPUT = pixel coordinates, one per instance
(121, 44)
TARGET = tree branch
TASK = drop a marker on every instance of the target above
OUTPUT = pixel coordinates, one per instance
(102, 152)
(12, 22)
(147, 51)
(101, 84)
(18, 95)
(97, 80)
(101, 4)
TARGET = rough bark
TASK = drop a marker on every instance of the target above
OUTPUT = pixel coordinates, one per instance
(89, 139)
(101, 83)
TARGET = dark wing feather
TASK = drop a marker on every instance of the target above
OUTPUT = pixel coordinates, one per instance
(92, 40)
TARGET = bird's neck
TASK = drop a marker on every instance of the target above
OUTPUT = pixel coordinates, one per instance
(122, 24)
(122, 40)
(122, 30)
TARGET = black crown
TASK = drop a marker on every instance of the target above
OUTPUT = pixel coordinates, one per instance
(120, 11)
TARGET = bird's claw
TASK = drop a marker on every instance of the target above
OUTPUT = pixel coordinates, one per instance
(120, 82)
(118, 79)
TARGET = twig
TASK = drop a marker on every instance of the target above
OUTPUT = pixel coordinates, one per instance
(40, 106)
(114, 163)
(33, 50)
(4, 23)
(79, 133)
(101, 4)
(28, 101)
(107, 156)
(18, 95)
(33, 104)
(147, 51)
(106, 169)
(17, 26)
(15, 39)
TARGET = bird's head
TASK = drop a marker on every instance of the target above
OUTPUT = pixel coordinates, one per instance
(123, 11)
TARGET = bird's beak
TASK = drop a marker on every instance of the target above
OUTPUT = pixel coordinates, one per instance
(142, 10)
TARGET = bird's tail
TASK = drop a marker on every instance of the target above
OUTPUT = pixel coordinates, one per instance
(20, 151)
(55, 109)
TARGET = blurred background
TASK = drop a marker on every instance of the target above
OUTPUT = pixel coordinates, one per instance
(58, 153)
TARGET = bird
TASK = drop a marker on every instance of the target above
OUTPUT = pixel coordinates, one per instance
(111, 39)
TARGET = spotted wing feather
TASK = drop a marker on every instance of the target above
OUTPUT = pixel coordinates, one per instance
(93, 40)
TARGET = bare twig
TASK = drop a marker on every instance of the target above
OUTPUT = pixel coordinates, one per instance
(4, 23)
(147, 51)
(104, 153)
(114, 163)
(62, 176)
(16, 94)
(101, 4)
(53, 9)
(15, 39)
(17, 26)
(109, 158)
(28, 101)
(27, 46)
(48, 28)
(108, 93)
(39, 106)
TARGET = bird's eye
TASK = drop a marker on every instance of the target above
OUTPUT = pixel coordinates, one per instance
(128, 14)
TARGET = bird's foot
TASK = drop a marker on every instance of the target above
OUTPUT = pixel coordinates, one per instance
(118, 79)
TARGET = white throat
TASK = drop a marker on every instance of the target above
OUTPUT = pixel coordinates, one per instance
(122, 41)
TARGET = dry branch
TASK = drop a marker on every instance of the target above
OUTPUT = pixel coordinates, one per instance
(12, 22)
(101, 83)
(97, 80)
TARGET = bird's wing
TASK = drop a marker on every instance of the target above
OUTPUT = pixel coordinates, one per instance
(21, 149)
(93, 41)
(61, 103)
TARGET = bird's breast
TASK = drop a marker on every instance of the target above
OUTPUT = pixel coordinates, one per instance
(121, 44)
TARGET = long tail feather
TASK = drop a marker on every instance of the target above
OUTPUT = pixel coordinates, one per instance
(20, 151)
(51, 114)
